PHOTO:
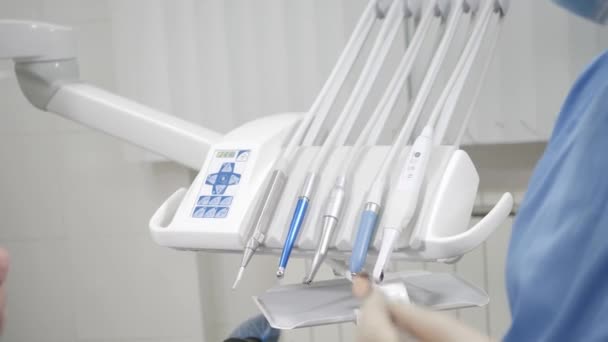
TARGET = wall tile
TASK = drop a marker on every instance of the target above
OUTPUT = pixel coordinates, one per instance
(74, 12)
(30, 187)
(40, 292)
(128, 288)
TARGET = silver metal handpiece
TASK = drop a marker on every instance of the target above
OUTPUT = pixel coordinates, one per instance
(333, 212)
(265, 213)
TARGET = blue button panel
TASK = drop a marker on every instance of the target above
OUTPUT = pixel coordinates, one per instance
(220, 181)
(220, 185)
(224, 201)
(210, 212)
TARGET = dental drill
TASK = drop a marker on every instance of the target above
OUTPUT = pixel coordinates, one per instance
(343, 125)
(412, 174)
(338, 195)
(317, 113)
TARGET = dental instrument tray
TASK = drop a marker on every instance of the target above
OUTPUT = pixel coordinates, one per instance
(330, 302)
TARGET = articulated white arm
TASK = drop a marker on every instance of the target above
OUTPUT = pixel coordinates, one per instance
(47, 71)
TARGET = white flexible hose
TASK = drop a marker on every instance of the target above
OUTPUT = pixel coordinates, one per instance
(351, 110)
(336, 79)
(484, 73)
(423, 94)
(372, 130)
(445, 105)
(309, 128)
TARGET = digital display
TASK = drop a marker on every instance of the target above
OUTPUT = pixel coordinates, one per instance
(225, 154)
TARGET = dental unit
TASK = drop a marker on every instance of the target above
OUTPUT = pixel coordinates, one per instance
(343, 125)
(242, 199)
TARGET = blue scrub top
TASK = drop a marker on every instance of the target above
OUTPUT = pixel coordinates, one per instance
(557, 268)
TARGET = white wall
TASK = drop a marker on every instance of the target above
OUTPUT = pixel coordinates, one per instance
(74, 214)
(84, 267)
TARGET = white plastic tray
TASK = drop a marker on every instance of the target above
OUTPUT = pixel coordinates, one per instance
(330, 302)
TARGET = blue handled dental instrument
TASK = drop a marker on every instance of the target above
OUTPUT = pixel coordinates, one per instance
(375, 195)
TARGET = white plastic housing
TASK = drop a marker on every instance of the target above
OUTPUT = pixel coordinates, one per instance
(176, 224)
(442, 218)
(28, 41)
(167, 135)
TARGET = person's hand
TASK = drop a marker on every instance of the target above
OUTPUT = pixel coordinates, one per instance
(383, 320)
(3, 273)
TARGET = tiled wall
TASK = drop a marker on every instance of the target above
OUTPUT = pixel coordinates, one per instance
(74, 214)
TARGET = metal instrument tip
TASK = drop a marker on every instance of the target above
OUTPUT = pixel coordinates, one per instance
(238, 277)
(280, 272)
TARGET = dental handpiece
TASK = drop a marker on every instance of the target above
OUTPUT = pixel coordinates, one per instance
(318, 112)
(407, 189)
(343, 126)
(413, 171)
(375, 196)
(338, 196)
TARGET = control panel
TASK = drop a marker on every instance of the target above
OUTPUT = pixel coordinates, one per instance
(222, 180)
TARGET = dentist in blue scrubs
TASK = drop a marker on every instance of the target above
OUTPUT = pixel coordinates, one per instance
(557, 266)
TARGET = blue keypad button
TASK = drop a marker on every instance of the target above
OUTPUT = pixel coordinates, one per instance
(210, 213)
(219, 189)
(215, 201)
(226, 201)
(234, 179)
(211, 179)
(223, 178)
(242, 156)
(203, 200)
(221, 213)
(199, 212)
(227, 167)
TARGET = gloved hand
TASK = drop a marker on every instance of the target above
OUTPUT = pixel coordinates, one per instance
(3, 273)
(255, 329)
(382, 320)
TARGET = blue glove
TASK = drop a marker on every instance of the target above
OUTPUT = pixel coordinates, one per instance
(256, 328)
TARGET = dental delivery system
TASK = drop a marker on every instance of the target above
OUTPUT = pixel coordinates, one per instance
(242, 200)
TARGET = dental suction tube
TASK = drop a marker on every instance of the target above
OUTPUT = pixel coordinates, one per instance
(375, 195)
(318, 112)
(338, 196)
(412, 175)
(344, 124)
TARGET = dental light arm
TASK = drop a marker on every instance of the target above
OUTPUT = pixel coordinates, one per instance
(47, 70)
